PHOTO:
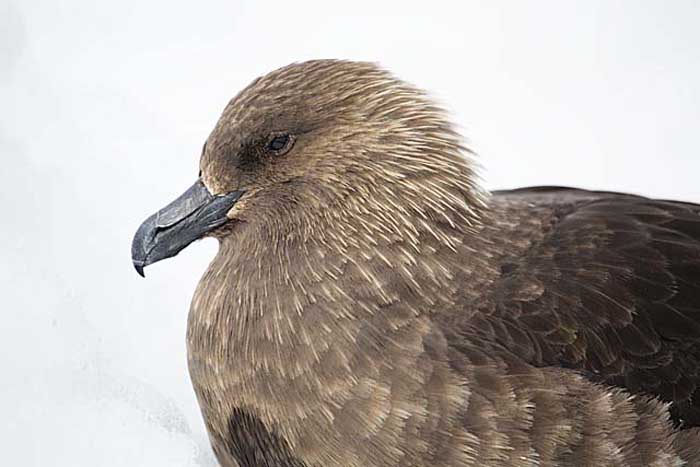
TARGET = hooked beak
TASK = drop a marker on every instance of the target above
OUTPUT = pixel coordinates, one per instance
(188, 218)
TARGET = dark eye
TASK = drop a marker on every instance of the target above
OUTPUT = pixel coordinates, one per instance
(280, 143)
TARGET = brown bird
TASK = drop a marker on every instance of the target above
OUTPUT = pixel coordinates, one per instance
(371, 305)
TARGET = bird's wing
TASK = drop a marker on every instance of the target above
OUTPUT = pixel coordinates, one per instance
(611, 289)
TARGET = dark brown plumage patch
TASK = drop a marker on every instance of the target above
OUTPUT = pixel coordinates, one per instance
(613, 290)
(253, 445)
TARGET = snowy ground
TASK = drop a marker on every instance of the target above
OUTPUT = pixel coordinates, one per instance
(103, 111)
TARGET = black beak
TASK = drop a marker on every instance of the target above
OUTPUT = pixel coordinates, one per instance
(188, 218)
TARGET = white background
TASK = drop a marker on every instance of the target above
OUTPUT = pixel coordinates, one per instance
(104, 107)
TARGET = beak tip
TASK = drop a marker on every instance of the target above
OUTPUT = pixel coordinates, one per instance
(139, 268)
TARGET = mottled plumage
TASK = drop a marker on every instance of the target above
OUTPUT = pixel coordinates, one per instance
(371, 306)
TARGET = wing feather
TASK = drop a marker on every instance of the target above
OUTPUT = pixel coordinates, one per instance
(612, 290)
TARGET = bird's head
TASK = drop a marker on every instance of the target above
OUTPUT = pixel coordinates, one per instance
(320, 142)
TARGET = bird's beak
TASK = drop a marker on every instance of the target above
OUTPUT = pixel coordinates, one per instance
(188, 218)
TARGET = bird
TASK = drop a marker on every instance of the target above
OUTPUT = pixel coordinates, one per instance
(372, 305)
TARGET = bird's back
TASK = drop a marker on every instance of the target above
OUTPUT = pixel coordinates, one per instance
(606, 284)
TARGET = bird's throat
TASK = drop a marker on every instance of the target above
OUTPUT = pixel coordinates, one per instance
(294, 333)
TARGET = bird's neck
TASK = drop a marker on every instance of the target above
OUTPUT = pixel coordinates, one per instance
(316, 283)
(293, 325)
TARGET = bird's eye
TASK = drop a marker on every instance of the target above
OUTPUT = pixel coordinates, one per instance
(280, 143)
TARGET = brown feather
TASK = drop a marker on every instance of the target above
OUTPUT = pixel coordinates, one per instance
(370, 305)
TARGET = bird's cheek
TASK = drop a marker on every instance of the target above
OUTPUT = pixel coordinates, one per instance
(212, 183)
(241, 209)
(236, 212)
